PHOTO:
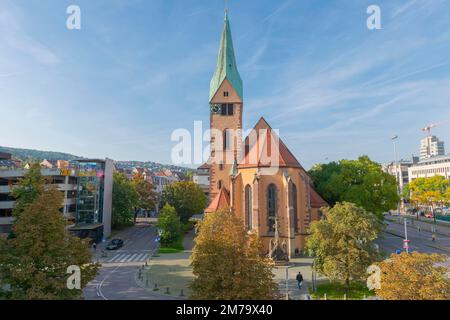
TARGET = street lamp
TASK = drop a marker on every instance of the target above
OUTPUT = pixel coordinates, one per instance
(397, 178)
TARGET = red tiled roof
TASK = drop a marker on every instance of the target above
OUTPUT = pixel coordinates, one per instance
(204, 166)
(259, 153)
(316, 200)
(220, 201)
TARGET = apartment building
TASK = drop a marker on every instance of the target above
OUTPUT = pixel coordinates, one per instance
(85, 184)
(438, 165)
(430, 147)
(201, 177)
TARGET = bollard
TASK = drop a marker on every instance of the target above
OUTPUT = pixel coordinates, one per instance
(167, 290)
(181, 293)
(345, 296)
(324, 296)
(364, 298)
(155, 288)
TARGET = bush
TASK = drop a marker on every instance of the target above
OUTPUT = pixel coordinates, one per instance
(169, 224)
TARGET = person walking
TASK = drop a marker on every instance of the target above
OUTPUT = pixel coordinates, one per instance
(299, 280)
(94, 246)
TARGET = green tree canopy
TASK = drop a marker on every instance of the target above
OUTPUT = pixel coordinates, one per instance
(30, 186)
(430, 191)
(342, 243)
(415, 276)
(228, 263)
(145, 192)
(34, 264)
(360, 181)
(169, 224)
(186, 197)
(125, 199)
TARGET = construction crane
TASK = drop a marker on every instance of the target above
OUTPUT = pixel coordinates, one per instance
(431, 126)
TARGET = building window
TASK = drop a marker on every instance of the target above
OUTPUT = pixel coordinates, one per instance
(227, 109)
(271, 206)
(226, 93)
(221, 166)
(219, 185)
(293, 204)
(248, 207)
(227, 139)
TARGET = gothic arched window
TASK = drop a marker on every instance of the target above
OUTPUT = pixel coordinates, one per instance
(271, 206)
(226, 139)
(293, 204)
(248, 207)
(219, 185)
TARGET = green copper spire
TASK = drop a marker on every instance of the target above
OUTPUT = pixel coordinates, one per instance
(226, 64)
(234, 170)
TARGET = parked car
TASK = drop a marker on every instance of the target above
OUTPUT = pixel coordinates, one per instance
(429, 215)
(114, 244)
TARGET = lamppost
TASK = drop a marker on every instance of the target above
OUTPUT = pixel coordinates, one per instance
(397, 178)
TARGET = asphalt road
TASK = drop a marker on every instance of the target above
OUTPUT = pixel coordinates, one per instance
(117, 276)
(420, 241)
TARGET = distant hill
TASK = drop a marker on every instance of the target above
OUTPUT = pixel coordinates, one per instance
(30, 154)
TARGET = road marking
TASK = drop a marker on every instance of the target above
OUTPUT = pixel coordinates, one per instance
(116, 257)
(132, 257)
(139, 257)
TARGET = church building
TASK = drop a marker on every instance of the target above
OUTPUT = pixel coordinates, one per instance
(256, 178)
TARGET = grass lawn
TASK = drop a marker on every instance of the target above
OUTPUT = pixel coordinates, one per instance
(336, 291)
(173, 247)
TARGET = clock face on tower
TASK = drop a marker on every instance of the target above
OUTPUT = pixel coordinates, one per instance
(215, 108)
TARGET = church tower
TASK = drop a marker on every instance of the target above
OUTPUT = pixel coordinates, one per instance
(226, 106)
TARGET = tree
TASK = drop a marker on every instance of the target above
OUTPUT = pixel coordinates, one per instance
(146, 195)
(228, 263)
(169, 224)
(360, 181)
(432, 191)
(186, 197)
(125, 198)
(28, 189)
(342, 243)
(34, 264)
(415, 276)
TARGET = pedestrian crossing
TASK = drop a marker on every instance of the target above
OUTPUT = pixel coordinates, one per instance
(129, 257)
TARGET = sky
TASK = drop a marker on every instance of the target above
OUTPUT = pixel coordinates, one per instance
(139, 69)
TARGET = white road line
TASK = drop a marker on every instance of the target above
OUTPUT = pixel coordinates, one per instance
(139, 257)
(113, 258)
(132, 257)
(116, 257)
(124, 258)
(145, 257)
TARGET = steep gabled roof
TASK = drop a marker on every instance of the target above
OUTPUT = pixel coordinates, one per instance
(258, 154)
(220, 201)
(226, 64)
(316, 200)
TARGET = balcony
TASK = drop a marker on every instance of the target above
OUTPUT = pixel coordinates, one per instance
(5, 189)
(6, 204)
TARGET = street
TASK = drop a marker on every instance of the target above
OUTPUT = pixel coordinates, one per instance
(117, 276)
(420, 241)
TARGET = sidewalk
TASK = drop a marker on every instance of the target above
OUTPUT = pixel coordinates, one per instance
(425, 226)
(170, 274)
(303, 265)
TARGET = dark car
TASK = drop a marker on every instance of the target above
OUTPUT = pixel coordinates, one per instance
(114, 244)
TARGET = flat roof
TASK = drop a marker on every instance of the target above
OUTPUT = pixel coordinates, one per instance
(91, 160)
(5, 156)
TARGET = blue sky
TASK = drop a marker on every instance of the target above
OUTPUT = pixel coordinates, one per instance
(138, 69)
